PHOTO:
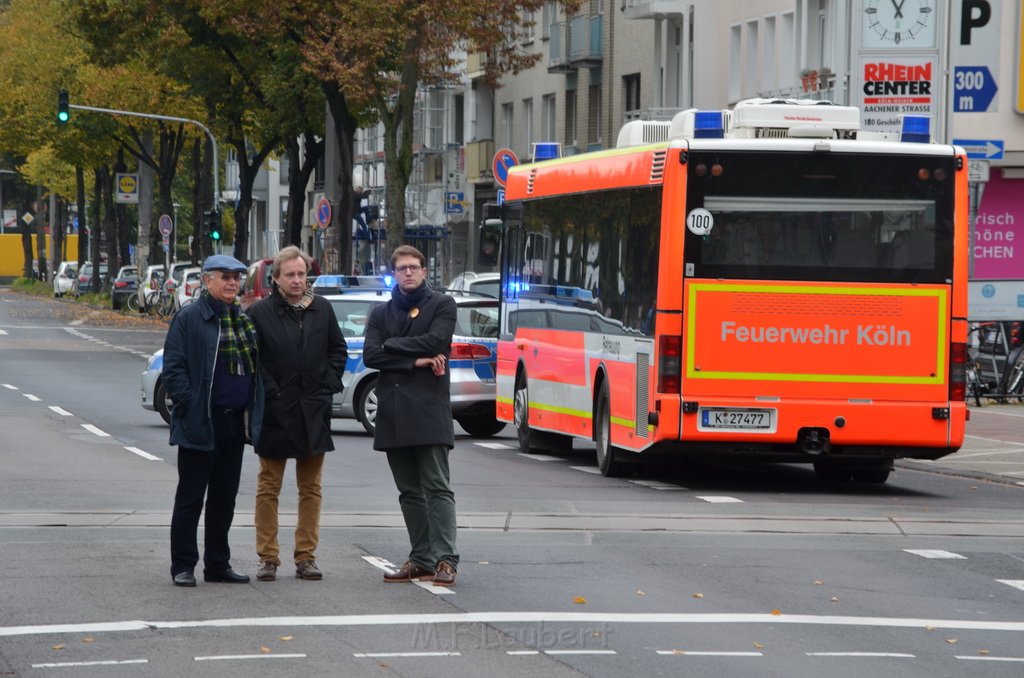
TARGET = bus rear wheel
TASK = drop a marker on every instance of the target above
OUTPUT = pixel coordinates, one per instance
(531, 439)
(608, 456)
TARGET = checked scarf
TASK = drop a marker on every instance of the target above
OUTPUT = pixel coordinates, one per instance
(238, 341)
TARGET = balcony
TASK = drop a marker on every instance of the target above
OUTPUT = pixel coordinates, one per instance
(577, 43)
(652, 9)
(479, 155)
(476, 64)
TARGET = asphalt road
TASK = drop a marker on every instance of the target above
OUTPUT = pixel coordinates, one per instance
(728, 569)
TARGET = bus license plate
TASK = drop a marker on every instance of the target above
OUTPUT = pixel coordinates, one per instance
(736, 419)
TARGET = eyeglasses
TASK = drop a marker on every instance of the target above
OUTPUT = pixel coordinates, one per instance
(409, 268)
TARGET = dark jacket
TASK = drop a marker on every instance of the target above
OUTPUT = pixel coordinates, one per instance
(413, 406)
(190, 355)
(302, 368)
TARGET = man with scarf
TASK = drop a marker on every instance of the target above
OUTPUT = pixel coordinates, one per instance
(409, 339)
(211, 374)
(302, 357)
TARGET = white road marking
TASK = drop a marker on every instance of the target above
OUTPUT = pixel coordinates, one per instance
(107, 662)
(495, 446)
(991, 659)
(990, 411)
(893, 655)
(657, 485)
(250, 656)
(696, 653)
(522, 653)
(31, 397)
(539, 457)
(380, 655)
(143, 454)
(559, 652)
(502, 617)
(587, 469)
(721, 500)
(935, 553)
(61, 411)
(10, 387)
(388, 566)
(1015, 583)
(3, 332)
(95, 431)
(993, 440)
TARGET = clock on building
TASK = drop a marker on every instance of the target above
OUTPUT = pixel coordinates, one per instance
(898, 23)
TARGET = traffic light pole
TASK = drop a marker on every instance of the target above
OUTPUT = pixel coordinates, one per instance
(171, 118)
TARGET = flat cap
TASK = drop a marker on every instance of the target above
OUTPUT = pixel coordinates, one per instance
(223, 262)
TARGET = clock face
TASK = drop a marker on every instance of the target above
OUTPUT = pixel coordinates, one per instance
(898, 23)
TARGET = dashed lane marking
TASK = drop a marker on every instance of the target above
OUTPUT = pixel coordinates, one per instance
(518, 617)
(249, 656)
(143, 454)
(494, 446)
(3, 332)
(705, 653)
(888, 655)
(712, 499)
(10, 387)
(991, 659)
(936, 553)
(388, 655)
(539, 457)
(1015, 583)
(657, 485)
(586, 469)
(31, 397)
(388, 566)
(575, 652)
(104, 662)
(95, 430)
(61, 411)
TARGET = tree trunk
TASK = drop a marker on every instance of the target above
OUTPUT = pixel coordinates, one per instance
(300, 168)
(83, 219)
(247, 171)
(96, 232)
(345, 132)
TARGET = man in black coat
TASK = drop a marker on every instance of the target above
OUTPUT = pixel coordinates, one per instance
(302, 358)
(409, 339)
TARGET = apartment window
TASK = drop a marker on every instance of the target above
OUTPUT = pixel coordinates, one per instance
(527, 121)
(750, 57)
(570, 118)
(459, 119)
(507, 135)
(787, 50)
(547, 131)
(594, 109)
(529, 25)
(768, 77)
(823, 42)
(735, 61)
(631, 88)
(548, 16)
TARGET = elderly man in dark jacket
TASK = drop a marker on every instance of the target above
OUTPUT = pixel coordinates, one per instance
(211, 375)
(409, 339)
(302, 353)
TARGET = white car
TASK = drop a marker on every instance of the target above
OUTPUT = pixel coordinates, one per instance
(486, 284)
(64, 278)
(192, 282)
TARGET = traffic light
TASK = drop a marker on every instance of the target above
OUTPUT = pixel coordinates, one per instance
(63, 107)
(211, 221)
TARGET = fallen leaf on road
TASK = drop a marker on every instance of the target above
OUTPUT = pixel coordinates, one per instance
(640, 593)
(678, 651)
(697, 595)
(758, 646)
(983, 651)
(265, 650)
(818, 582)
(835, 599)
(287, 637)
(57, 647)
(776, 612)
(88, 640)
(951, 640)
(579, 600)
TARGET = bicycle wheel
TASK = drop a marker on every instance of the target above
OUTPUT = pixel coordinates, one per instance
(1015, 377)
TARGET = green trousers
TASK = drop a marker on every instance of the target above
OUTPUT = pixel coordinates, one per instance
(427, 501)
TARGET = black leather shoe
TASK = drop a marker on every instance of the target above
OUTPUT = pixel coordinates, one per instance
(184, 579)
(228, 576)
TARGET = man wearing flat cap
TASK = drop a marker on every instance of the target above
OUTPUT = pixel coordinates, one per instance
(211, 374)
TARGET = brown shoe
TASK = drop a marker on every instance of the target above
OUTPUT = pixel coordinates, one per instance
(307, 569)
(445, 575)
(267, 571)
(408, 572)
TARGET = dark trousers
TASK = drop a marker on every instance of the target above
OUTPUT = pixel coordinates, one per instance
(213, 475)
(427, 501)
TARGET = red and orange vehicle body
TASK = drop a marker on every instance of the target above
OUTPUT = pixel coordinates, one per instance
(787, 287)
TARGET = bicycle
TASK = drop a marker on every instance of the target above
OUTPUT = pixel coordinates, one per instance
(1013, 385)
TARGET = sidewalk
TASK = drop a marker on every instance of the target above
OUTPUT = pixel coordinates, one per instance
(993, 449)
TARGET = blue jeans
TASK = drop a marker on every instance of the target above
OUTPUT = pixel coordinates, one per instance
(427, 501)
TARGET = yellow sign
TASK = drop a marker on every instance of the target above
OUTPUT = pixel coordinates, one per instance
(127, 188)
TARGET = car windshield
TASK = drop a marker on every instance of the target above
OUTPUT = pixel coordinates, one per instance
(477, 321)
(486, 287)
(352, 315)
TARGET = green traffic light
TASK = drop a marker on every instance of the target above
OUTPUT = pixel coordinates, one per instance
(63, 116)
(63, 106)
(214, 235)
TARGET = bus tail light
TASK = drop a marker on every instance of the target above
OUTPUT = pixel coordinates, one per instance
(670, 364)
(958, 371)
(462, 351)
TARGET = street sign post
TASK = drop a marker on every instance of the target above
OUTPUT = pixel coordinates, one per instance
(504, 160)
(977, 171)
(974, 89)
(166, 225)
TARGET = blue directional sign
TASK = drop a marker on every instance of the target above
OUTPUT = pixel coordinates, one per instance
(974, 88)
(982, 149)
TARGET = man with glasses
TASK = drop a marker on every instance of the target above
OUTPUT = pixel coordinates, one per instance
(409, 339)
(211, 373)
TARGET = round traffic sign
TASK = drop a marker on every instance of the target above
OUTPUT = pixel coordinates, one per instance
(323, 213)
(165, 225)
(504, 160)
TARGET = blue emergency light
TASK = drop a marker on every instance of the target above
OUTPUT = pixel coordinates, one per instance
(916, 128)
(708, 125)
(546, 150)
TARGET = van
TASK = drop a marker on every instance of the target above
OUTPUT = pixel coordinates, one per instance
(258, 281)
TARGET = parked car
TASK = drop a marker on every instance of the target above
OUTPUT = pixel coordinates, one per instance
(1000, 346)
(472, 362)
(331, 283)
(64, 278)
(191, 283)
(84, 280)
(174, 275)
(149, 286)
(487, 284)
(258, 281)
(125, 289)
